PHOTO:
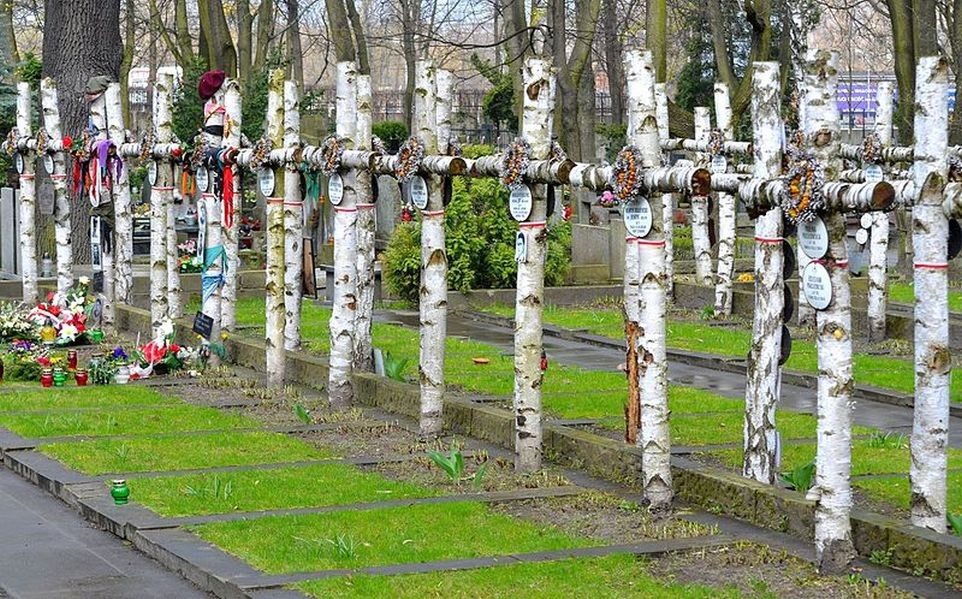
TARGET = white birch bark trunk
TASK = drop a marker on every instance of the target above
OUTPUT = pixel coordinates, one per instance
(363, 346)
(763, 374)
(161, 206)
(726, 214)
(211, 277)
(879, 234)
(536, 127)
(430, 110)
(123, 220)
(700, 240)
(667, 199)
(62, 227)
(833, 461)
(654, 438)
(293, 224)
(274, 283)
(28, 201)
(933, 362)
(98, 117)
(232, 138)
(174, 303)
(343, 311)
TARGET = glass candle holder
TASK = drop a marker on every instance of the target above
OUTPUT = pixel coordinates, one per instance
(71, 360)
(81, 377)
(46, 378)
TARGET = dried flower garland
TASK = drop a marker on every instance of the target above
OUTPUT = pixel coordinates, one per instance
(626, 179)
(262, 150)
(10, 144)
(454, 148)
(716, 142)
(802, 197)
(410, 155)
(147, 143)
(871, 150)
(955, 168)
(42, 140)
(81, 151)
(331, 151)
(514, 163)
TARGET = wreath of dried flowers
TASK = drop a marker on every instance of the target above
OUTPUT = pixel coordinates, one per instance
(147, 142)
(871, 150)
(955, 168)
(802, 197)
(42, 140)
(626, 180)
(454, 148)
(409, 155)
(331, 151)
(716, 142)
(262, 148)
(514, 163)
(81, 151)
(10, 143)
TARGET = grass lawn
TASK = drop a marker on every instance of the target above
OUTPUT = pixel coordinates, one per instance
(34, 397)
(898, 492)
(904, 293)
(175, 418)
(865, 458)
(620, 576)
(250, 490)
(411, 534)
(879, 371)
(177, 452)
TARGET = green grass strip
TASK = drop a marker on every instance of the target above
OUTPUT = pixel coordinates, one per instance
(250, 490)
(177, 418)
(898, 492)
(412, 534)
(865, 458)
(34, 397)
(178, 452)
(616, 576)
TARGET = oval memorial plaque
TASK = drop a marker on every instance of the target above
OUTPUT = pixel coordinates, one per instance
(817, 285)
(203, 179)
(637, 214)
(18, 162)
(201, 230)
(813, 238)
(719, 164)
(48, 163)
(861, 236)
(335, 189)
(520, 203)
(866, 220)
(265, 181)
(419, 192)
(873, 173)
(152, 172)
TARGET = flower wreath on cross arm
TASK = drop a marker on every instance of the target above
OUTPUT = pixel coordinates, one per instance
(409, 155)
(377, 144)
(626, 178)
(557, 153)
(10, 144)
(802, 198)
(514, 163)
(871, 150)
(81, 151)
(262, 148)
(147, 142)
(332, 149)
(42, 140)
(716, 142)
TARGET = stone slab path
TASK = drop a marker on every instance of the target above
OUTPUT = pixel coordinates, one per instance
(592, 357)
(50, 552)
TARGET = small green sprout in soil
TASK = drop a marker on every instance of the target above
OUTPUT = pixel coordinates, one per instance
(395, 367)
(801, 478)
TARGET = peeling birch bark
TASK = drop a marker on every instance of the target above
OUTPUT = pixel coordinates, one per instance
(832, 492)
(161, 207)
(28, 201)
(174, 303)
(762, 382)
(653, 439)
(667, 199)
(123, 220)
(363, 345)
(700, 239)
(536, 126)
(933, 361)
(62, 225)
(431, 113)
(340, 388)
(879, 234)
(293, 223)
(232, 138)
(726, 214)
(274, 282)
(98, 118)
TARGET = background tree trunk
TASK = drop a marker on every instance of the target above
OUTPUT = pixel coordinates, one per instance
(245, 31)
(265, 28)
(294, 45)
(8, 39)
(71, 55)
(614, 56)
